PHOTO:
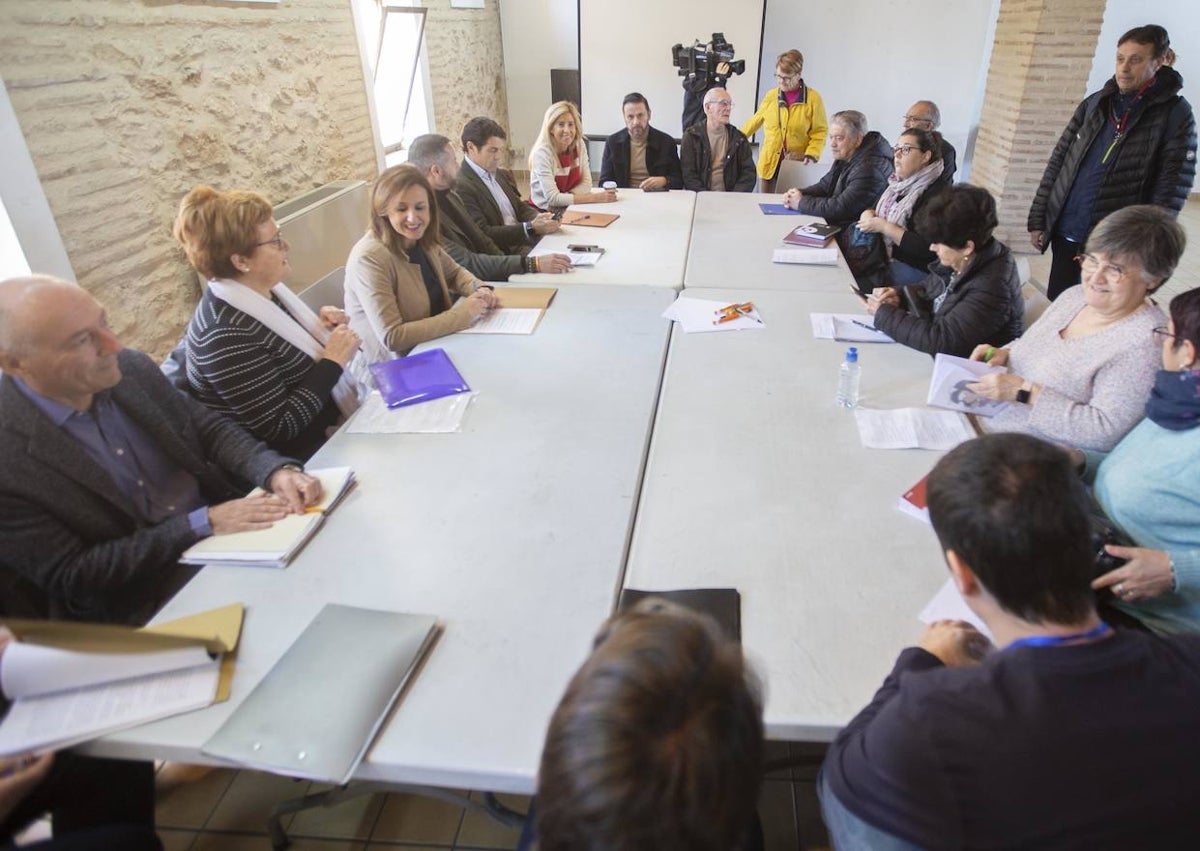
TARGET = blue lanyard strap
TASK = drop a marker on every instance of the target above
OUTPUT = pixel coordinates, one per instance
(1097, 631)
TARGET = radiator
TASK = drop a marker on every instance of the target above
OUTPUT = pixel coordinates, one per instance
(321, 226)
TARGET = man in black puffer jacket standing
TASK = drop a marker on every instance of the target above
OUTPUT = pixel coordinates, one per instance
(1132, 142)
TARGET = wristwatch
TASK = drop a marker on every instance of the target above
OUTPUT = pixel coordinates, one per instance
(1024, 393)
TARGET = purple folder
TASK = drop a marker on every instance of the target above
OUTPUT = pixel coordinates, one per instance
(418, 378)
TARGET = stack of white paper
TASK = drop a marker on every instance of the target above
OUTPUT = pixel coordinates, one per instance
(807, 256)
(911, 428)
(62, 697)
(697, 315)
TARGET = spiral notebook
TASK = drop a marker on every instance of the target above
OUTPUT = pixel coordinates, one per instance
(418, 378)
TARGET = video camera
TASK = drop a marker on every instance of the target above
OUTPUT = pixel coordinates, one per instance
(703, 59)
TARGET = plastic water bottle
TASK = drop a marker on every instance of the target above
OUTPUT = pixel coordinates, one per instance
(848, 376)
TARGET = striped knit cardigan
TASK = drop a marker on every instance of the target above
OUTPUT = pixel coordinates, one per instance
(240, 368)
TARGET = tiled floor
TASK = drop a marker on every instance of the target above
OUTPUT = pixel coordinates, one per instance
(214, 809)
(1186, 277)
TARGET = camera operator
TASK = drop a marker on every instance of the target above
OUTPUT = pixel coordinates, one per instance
(706, 67)
(695, 87)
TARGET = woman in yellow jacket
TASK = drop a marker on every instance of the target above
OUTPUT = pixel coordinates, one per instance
(794, 119)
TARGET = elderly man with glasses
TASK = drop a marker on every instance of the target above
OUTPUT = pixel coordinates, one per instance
(715, 154)
(925, 115)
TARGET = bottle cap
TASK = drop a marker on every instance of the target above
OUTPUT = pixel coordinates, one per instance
(852, 355)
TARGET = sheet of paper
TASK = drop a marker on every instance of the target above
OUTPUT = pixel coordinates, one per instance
(697, 315)
(807, 256)
(27, 670)
(911, 428)
(948, 386)
(67, 718)
(578, 258)
(506, 320)
(858, 330)
(948, 605)
(441, 416)
(829, 326)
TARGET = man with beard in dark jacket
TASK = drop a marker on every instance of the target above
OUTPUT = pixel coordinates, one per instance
(862, 163)
(1132, 142)
(464, 240)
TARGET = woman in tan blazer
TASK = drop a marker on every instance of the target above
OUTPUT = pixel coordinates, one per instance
(399, 279)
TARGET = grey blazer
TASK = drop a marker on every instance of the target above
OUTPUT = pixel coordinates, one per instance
(68, 532)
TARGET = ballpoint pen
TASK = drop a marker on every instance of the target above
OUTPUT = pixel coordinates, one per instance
(865, 325)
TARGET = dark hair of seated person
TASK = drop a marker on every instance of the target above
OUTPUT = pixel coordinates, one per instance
(657, 744)
(961, 213)
(1014, 510)
(926, 141)
(1185, 314)
(479, 129)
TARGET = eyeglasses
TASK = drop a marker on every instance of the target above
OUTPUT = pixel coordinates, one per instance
(784, 78)
(278, 241)
(904, 150)
(728, 103)
(1161, 331)
(917, 119)
(1090, 265)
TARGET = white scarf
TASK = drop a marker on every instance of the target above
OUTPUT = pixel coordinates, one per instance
(299, 326)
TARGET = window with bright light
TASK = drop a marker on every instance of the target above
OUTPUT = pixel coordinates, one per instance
(12, 258)
(394, 36)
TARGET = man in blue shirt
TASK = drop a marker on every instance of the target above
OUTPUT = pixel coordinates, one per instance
(107, 473)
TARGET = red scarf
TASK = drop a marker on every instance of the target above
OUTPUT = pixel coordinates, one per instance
(568, 175)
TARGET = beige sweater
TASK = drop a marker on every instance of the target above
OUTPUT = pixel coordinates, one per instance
(389, 305)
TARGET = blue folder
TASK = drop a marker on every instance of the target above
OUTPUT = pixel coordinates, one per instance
(777, 210)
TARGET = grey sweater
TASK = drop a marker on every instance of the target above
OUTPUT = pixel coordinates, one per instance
(1094, 388)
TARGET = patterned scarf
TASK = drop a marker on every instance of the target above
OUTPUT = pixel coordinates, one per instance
(1175, 400)
(897, 201)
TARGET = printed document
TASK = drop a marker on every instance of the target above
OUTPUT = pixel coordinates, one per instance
(911, 428)
(948, 386)
(507, 320)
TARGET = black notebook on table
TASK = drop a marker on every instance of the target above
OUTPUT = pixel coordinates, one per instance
(724, 605)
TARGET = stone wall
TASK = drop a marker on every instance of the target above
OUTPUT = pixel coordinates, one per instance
(466, 65)
(1041, 61)
(126, 104)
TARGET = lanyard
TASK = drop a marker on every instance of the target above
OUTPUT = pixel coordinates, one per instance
(1120, 124)
(1097, 631)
